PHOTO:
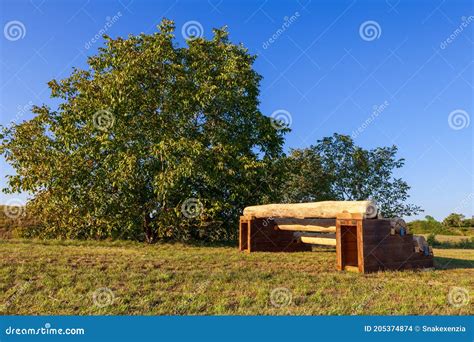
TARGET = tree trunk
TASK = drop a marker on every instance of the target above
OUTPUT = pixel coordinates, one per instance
(150, 235)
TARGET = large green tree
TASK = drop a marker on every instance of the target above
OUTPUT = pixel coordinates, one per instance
(152, 140)
(336, 169)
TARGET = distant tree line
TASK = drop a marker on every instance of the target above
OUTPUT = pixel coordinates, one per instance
(156, 141)
(458, 220)
(452, 224)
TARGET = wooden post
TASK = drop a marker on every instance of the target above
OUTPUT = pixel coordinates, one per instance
(243, 233)
(249, 234)
(347, 221)
(338, 245)
(360, 246)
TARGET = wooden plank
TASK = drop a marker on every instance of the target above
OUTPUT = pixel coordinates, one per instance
(389, 253)
(322, 222)
(400, 265)
(389, 244)
(326, 209)
(318, 241)
(306, 228)
(297, 235)
(376, 238)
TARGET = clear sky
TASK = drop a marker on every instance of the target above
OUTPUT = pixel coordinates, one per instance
(326, 66)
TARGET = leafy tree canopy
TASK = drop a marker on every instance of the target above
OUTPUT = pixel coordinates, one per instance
(152, 140)
(336, 169)
(454, 220)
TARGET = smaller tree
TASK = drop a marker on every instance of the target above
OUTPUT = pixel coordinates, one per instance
(336, 169)
(306, 180)
(453, 220)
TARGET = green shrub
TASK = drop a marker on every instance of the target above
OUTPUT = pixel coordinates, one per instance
(432, 239)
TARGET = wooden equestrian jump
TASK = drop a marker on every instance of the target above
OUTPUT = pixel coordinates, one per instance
(362, 244)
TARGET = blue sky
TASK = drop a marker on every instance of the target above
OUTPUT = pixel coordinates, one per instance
(326, 66)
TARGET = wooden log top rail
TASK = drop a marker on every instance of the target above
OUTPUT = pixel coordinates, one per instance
(325, 209)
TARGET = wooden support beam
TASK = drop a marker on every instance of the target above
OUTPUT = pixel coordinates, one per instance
(313, 234)
(307, 228)
(306, 225)
(318, 240)
(307, 221)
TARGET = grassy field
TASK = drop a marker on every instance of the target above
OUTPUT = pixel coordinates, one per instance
(79, 277)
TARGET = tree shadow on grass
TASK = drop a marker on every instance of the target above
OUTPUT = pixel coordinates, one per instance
(198, 243)
(443, 263)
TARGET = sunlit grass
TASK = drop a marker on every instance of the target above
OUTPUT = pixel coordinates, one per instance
(61, 277)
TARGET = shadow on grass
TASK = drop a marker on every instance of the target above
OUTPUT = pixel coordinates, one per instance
(452, 263)
(197, 243)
